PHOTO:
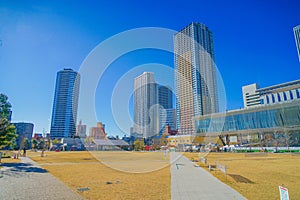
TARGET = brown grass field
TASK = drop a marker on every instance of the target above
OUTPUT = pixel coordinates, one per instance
(151, 179)
(146, 175)
(257, 176)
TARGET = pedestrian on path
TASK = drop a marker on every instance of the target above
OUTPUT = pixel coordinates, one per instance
(24, 152)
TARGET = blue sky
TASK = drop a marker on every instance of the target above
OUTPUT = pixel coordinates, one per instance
(254, 42)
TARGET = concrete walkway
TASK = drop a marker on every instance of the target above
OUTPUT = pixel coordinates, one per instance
(26, 180)
(189, 182)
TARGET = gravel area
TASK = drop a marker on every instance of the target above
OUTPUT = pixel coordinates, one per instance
(27, 180)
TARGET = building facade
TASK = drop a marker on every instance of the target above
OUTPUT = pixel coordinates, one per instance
(146, 105)
(81, 130)
(167, 117)
(24, 130)
(165, 97)
(297, 39)
(195, 75)
(65, 104)
(285, 92)
(274, 124)
(167, 114)
(98, 132)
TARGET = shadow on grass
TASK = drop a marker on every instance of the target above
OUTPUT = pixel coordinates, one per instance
(19, 169)
(240, 179)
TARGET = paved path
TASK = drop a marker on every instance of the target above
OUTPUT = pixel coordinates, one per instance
(189, 182)
(26, 180)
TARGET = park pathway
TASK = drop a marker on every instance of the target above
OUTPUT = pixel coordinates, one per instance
(27, 180)
(189, 182)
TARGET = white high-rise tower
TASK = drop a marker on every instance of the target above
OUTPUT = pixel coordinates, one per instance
(145, 105)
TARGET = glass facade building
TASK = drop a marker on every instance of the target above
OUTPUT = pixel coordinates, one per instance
(167, 114)
(195, 75)
(284, 118)
(65, 104)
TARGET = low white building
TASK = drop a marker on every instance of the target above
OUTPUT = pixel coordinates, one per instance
(253, 95)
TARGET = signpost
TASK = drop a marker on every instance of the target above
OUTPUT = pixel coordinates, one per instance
(284, 193)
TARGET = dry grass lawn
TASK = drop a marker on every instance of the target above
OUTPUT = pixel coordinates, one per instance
(257, 176)
(84, 170)
(9, 160)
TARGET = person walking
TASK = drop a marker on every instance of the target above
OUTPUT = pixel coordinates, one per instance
(24, 152)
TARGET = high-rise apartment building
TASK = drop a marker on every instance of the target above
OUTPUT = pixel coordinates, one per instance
(65, 104)
(253, 95)
(195, 75)
(145, 105)
(297, 39)
(165, 98)
(167, 114)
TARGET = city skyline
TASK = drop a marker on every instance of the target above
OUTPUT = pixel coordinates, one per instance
(40, 38)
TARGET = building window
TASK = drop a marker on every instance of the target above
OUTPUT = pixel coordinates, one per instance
(262, 101)
(278, 96)
(291, 95)
(284, 96)
(298, 93)
(273, 98)
(268, 100)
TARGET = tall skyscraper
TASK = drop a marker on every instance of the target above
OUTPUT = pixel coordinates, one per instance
(195, 75)
(167, 114)
(65, 104)
(145, 105)
(297, 38)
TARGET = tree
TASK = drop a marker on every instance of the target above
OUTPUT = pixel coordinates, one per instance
(7, 130)
(138, 145)
(26, 143)
(34, 143)
(56, 141)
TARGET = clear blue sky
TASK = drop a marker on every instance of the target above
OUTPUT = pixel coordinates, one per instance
(253, 39)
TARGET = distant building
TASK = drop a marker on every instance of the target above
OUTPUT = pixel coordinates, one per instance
(98, 132)
(167, 114)
(24, 130)
(65, 104)
(170, 131)
(195, 75)
(285, 92)
(81, 130)
(9, 116)
(145, 105)
(37, 136)
(131, 130)
(167, 117)
(297, 39)
(165, 97)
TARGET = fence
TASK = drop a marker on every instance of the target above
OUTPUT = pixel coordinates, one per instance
(221, 167)
(203, 160)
